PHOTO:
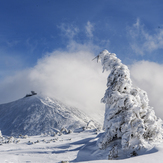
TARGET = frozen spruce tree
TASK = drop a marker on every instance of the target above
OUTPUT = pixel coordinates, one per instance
(128, 117)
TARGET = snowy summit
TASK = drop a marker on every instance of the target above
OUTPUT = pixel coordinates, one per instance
(35, 115)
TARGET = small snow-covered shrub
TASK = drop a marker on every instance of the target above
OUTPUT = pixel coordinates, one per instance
(128, 116)
(90, 125)
(25, 136)
(30, 143)
(17, 141)
(53, 134)
(84, 128)
(37, 141)
(70, 131)
(113, 153)
(64, 130)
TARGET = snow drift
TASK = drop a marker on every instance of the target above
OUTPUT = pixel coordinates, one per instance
(35, 115)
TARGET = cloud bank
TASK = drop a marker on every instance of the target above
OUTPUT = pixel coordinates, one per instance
(71, 77)
(148, 76)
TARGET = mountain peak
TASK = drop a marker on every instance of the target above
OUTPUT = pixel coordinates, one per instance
(33, 115)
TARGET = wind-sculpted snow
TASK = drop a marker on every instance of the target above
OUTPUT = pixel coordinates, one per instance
(35, 115)
(128, 116)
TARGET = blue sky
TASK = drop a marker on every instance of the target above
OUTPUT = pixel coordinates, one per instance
(48, 45)
(29, 29)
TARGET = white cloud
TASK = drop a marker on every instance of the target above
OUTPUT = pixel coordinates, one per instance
(12, 43)
(89, 29)
(69, 30)
(73, 46)
(137, 24)
(148, 76)
(31, 45)
(142, 41)
(71, 77)
(72, 34)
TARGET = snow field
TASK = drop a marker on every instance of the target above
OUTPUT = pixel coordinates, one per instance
(80, 146)
(44, 149)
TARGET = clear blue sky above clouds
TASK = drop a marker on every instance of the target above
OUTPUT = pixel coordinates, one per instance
(31, 28)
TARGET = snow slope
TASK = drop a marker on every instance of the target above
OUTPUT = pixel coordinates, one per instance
(35, 115)
(75, 147)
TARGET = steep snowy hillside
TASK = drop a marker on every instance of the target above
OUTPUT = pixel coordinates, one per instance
(35, 115)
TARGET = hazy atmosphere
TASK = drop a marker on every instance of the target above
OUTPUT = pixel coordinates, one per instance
(48, 46)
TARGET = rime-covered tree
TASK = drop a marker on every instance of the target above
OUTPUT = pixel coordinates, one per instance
(128, 116)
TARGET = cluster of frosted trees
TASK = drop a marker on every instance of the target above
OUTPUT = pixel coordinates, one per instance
(128, 117)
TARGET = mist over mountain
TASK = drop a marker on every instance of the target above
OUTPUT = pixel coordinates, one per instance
(35, 114)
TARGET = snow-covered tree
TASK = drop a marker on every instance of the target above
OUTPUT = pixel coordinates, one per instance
(128, 117)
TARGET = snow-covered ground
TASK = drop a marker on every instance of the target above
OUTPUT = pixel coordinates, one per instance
(79, 146)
